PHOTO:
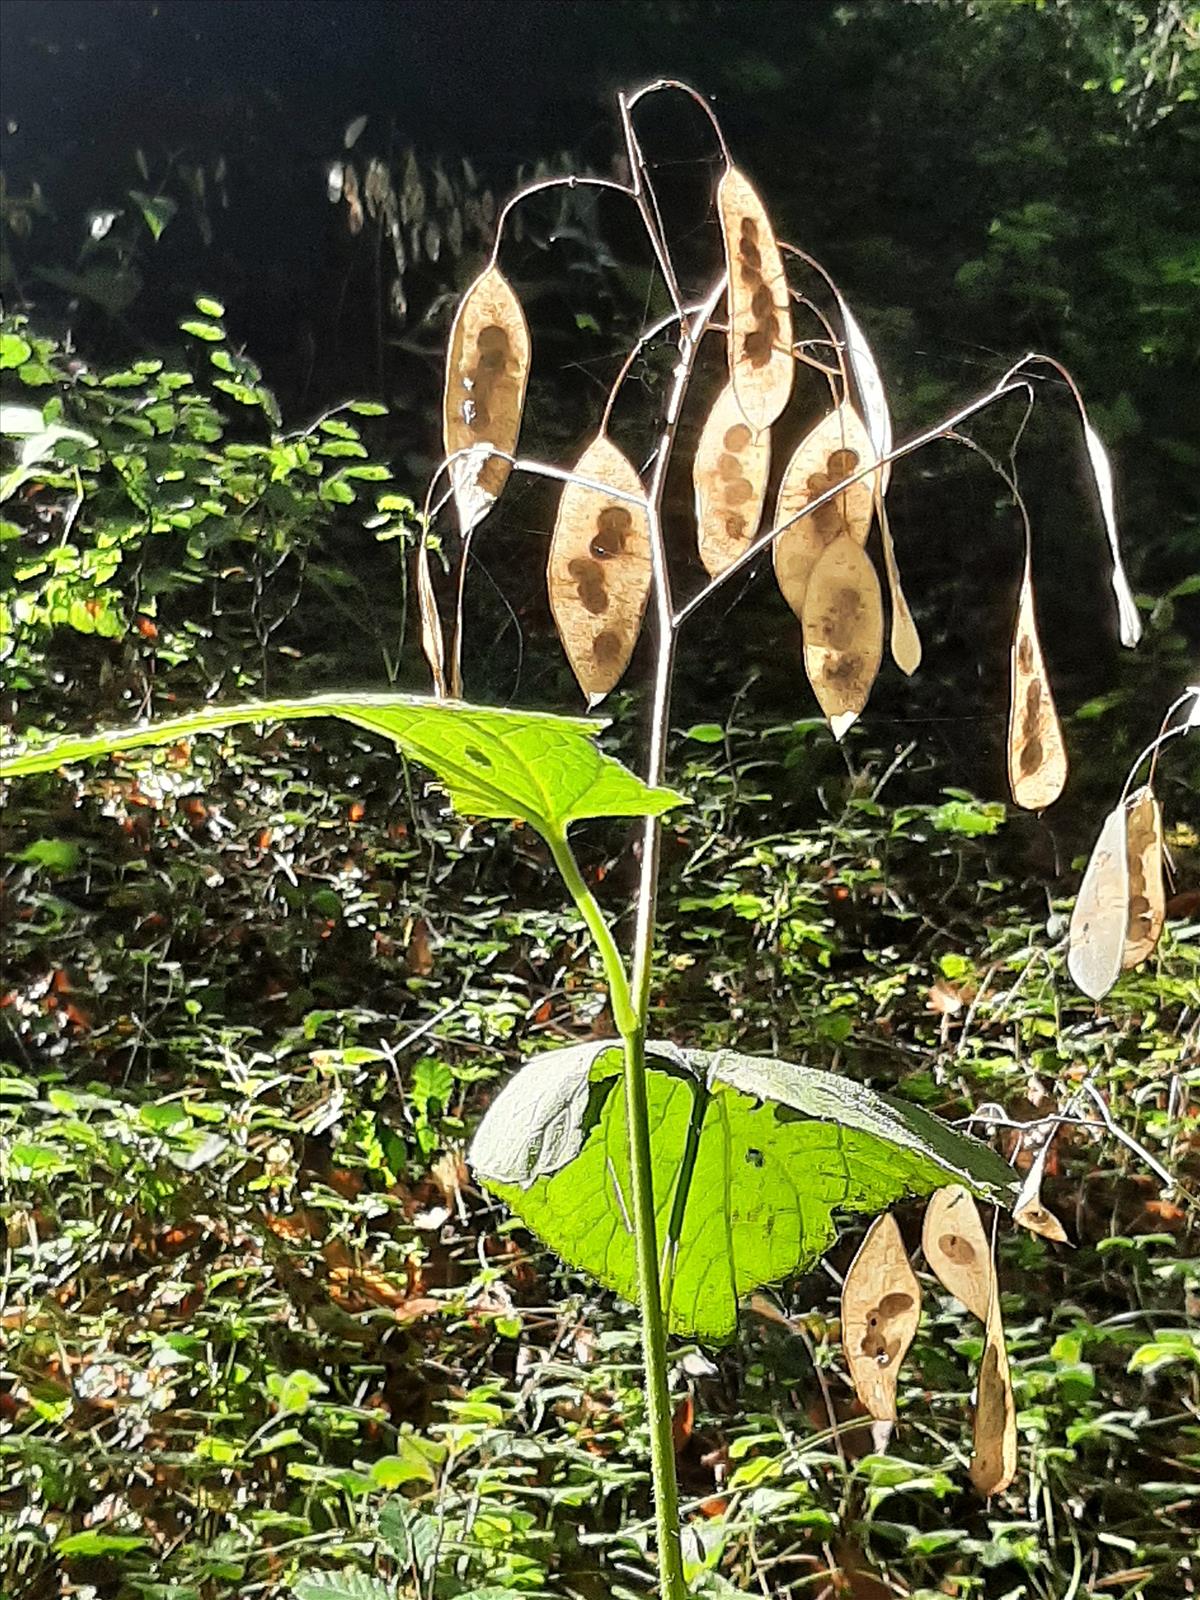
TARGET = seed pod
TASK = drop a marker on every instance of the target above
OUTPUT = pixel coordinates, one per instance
(1129, 622)
(760, 313)
(730, 477)
(1144, 855)
(599, 570)
(1029, 1211)
(1100, 920)
(957, 1248)
(994, 1458)
(843, 631)
(1037, 756)
(432, 640)
(837, 446)
(881, 1306)
(486, 373)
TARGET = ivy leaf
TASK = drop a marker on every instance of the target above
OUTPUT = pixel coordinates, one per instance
(751, 1158)
(542, 769)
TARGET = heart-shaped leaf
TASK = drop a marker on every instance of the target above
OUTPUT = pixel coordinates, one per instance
(752, 1158)
(545, 770)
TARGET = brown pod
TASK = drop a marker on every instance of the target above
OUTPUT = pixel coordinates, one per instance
(1037, 756)
(486, 373)
(1147, 894)
(881, 1307)
(432, 639)
(599, 572)
(1029, 1210)
(994, 1457)
(957, 1248)
(760, 313)
(1100, 919)
(729, 473)
(843, 631)
(837, 446)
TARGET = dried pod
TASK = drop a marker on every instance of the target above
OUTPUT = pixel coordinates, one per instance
(760, 313)
(730, 477)
(994, 1457)
(1129, 622)
(843, 631)
(486, 373)
(1147, 895)
(905, 640)
(836, 447)
(957, 1248)
(432, 640)
(881, 1306)
(1037, 756)
(1100, 920)
(599, 571)
(1029, 1211)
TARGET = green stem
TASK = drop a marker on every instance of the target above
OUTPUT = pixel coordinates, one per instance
(631, 1024)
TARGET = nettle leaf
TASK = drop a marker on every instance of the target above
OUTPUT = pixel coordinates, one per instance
(545, 770)
(752, 1159)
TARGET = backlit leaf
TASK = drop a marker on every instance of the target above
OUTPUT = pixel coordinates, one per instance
(492, 763)
(1037, 756)
(881, 1307)
(751, 1159)
(837, 446)
(729, 473)
(486, 372)
(843, 631)
(599, 569)
(760, 313)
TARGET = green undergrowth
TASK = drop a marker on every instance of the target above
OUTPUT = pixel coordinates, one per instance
(258, 1323)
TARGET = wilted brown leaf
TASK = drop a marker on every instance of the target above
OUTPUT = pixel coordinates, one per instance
(881, 1306)
(837, 446)
(1100, 920)
(599, 570)
(760, 314)
(1037, 756)
(843, 631)
(486, 373)
(1147, 894)
(730, 476)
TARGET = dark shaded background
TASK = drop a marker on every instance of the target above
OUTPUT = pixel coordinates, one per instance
(955, 165)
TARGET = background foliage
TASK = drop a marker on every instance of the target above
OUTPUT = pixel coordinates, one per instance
(254, 1317)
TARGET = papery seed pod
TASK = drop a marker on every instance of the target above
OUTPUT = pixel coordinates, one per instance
(843, 631)
(1129, 622)
(432, 639)
(881, 1307)
(1144, 857)
(760, 313)
(994, 1457)
(1100, 919)
(729, 473)
(486, 373)
(905, 640)
(836, 447)
(599, 571)
(1037, 756)
(1029, 1210)
(957, 1248)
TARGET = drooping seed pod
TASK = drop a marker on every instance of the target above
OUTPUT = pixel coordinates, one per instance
(836, 447)
(760, 314)
(1037, 755)
(842, 621)
(599, 570)
(994, 1456)
(1147, 895)
(1029, 1209)
(729, 473)
(1100, 920)
(881, 1307)
(433, 641)
(486, 372)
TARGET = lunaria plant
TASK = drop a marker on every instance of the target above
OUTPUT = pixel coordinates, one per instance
(750, 1159)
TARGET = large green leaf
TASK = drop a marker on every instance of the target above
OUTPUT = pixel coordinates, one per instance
(543, 769)
(751, 1157)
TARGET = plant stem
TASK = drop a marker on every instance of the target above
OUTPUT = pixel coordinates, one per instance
(624, 1016)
